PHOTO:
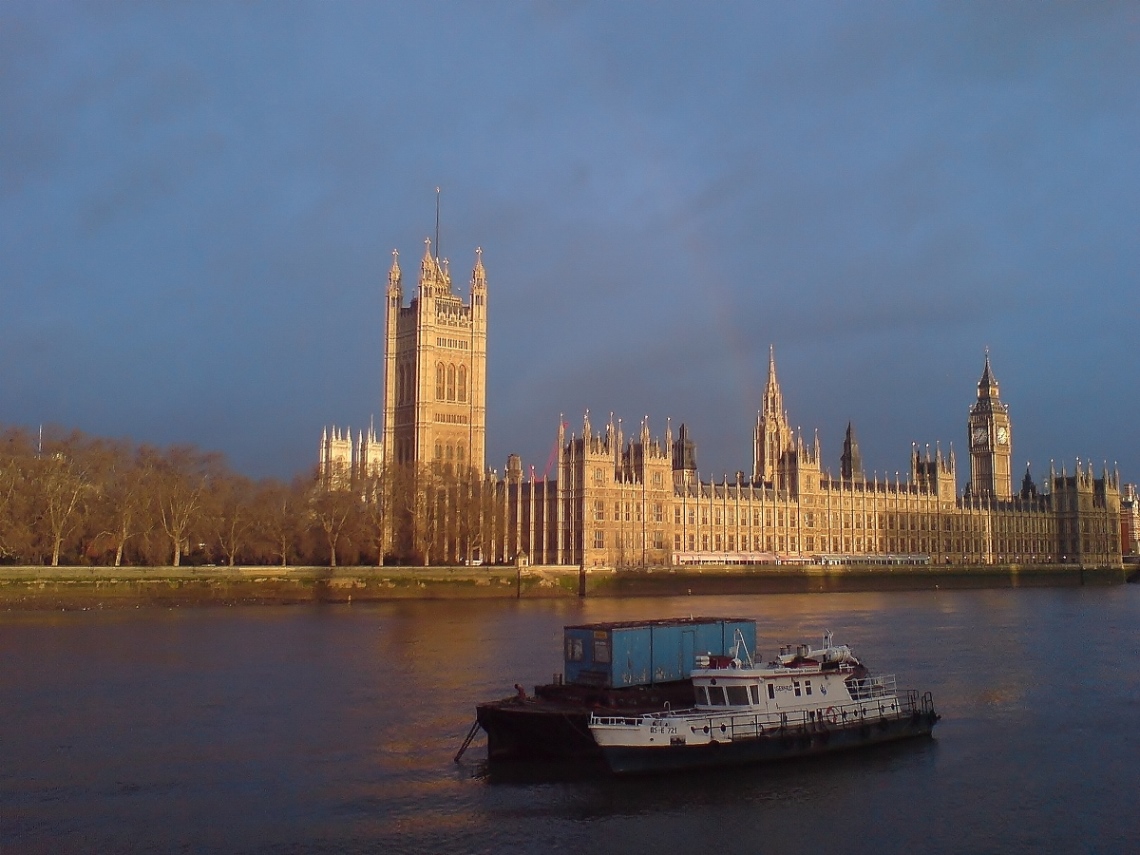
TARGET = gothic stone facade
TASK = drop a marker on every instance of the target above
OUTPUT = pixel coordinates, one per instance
(641, 503)
(435, 372)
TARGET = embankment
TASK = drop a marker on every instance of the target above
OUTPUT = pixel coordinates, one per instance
(27, 588)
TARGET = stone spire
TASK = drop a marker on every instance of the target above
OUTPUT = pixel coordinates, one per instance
(772, 438)
(478, 275)
(987, 385)
(851, 461)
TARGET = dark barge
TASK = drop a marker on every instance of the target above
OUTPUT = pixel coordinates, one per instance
(615, 668)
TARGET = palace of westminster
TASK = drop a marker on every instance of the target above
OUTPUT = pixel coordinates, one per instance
(638, 501)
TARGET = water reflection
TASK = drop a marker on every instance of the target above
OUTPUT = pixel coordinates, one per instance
(332, 729)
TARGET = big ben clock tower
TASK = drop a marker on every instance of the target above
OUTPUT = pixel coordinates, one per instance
(990, 441)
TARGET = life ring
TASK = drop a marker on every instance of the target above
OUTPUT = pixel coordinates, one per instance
(831, 715)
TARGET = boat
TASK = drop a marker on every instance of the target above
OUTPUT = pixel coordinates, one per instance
(804, 702)
(613, 669)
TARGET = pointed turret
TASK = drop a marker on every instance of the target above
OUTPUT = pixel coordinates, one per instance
(851, 461)
(684, 458)
(1028, 488)
(773, 438)
(987, 385)
(478, 274)
(395, 275)
(434, 280)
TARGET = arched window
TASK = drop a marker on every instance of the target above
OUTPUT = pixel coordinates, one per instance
(451, 382)
(462, 384)
(439, 382)
(438, 450)
(459, 453)
(449, 452)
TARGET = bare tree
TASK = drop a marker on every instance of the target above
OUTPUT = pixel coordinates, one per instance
(182, 475)
(279, 511)
(62, 479)
(469, 515)
(229, 515)
(377, 510)
(123, 506)
(426, 498)
(17, 456)
(333, 512)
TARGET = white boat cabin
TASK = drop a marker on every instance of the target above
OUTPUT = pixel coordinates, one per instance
(738, 700)
(798, 680)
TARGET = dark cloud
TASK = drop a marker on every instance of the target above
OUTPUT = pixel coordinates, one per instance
(198, 204)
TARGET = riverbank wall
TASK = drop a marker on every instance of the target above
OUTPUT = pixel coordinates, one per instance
(34, 588)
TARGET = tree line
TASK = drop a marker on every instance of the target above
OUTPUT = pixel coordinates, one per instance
(67, 498)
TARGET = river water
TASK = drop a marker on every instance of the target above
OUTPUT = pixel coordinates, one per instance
(332, 729)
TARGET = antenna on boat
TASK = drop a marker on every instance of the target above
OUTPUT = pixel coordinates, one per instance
(739, 642)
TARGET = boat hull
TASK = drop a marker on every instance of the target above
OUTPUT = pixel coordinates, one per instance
(555, 723)
(770, 747)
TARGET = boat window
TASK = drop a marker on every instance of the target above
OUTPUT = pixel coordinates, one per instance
(771, 692)
(807, 686)
(602, 650)
(716, 696)
(702, 696)
(573, 650)
(755, 694)
(737, 696)
(796, 686)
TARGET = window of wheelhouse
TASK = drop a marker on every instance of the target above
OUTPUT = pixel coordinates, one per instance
(716, 696)
(807, 687)
(702, 696)
(771, 691)
(737, 696)
(755, 690)
(796, 687)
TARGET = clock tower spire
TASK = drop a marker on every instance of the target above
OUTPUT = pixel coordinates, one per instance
(990, 440)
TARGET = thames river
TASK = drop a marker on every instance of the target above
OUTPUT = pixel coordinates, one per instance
(332, 729)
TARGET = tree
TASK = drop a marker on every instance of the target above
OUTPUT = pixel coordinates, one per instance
(278, 511)
(17, 455)
(123, 504)
(428, 499)
(333, 513)
(229, 516)
(377, 508)
(182, 475)
(469, 515)
(62, 479)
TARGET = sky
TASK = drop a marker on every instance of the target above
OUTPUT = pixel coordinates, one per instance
(199, 202)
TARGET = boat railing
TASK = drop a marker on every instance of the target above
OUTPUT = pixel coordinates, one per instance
(877, 706)
(869, 688)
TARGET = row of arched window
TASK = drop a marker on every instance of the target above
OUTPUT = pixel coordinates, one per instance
(449, 452)
(451, 383)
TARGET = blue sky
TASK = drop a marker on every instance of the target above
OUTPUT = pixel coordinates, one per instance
(198, 204)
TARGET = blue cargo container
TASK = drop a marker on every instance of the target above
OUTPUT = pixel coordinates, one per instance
(642, 653)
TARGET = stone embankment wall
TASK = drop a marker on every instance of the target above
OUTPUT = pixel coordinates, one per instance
(129, 587)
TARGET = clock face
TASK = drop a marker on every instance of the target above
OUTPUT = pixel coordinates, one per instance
(978, 436)
(1002, 436)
